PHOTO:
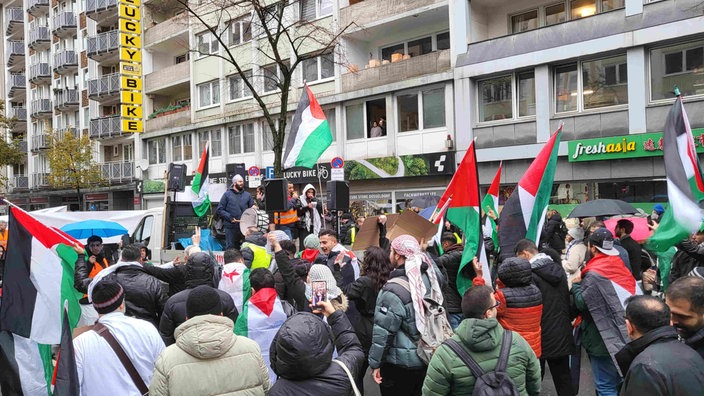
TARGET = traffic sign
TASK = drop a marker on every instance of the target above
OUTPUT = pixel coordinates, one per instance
(269, 172)
(254, 171)
(337, 163)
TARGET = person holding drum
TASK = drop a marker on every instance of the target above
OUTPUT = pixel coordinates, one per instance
(232, 204)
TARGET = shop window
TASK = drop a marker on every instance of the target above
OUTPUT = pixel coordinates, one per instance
(319, 68)
(241, 139)
(604, 83)
(681, 65)
(208, 94)
(207, 44)
(237, 88)
(240, 30)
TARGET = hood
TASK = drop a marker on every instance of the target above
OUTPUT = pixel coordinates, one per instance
(256, 238)
(544, 267)
(515, 272)
(206, 336)
(457, 246)
(556, 217)
(304, 198)
(200, 270)
(302, 348)
(480, 334)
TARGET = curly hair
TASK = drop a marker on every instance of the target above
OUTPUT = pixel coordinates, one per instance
(376, 266)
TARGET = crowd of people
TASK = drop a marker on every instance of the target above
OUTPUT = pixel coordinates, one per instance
(196, 327)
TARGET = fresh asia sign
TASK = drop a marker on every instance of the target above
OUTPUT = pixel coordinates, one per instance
(628, 146)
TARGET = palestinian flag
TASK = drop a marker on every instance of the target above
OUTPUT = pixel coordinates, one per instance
(201, 200)
(463, 211)
(524, 212)
(26, 366)
(685, 186)
(310, 133)
(38, 280)
(235, 282)
(491, 202)
(260, 320)
(65, 379)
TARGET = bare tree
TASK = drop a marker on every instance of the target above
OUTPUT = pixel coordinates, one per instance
(283, 40)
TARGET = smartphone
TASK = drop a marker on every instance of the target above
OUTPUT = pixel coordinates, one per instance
(319, 291)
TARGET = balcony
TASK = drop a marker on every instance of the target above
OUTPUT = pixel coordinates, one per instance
(40, 73)
(103, 44)
(178, 118)
(97, 9)
(37, 7)
(15, 54)
(163, 79)
(176, 27)
(64, 24)
(18, 114)
(372, 12)
(14, 21)
(19, 183)
(39, 38)
(65, 131)
(118, 171)
(104, 87)
(105, 127)
(66, 99)
(434, 62)
(16, 85)
(40, 180)
(23, 146)
(65, 61)
(40, 142)
(40, 108)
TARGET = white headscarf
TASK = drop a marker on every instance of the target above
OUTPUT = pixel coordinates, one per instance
(317, 224)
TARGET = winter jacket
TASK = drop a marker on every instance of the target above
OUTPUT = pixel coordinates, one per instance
(451, 261)
(175, 313)
(574, 257)
(174, 276)
(362, 293)
(231, 206)
(203, 359)
(657, 364)
(300, 268)
(551, 233)
(294, 287)
(697, 342)
(144, 295)
(689, 256)
(482, 339)
(305, 367)
(556, 321)
(255, 255)
(395, 335)
(634, 251)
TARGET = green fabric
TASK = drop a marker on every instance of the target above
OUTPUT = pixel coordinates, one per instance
(665, 266)
(589, 333)
(481, 338)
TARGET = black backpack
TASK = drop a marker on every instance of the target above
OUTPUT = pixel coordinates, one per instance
(492, 383)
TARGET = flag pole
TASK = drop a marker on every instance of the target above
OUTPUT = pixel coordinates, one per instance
(320, 185)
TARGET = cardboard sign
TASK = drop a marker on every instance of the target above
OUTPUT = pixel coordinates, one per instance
(368, 234)
(408, 222)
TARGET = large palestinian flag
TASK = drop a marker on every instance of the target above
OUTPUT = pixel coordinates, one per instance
(260, 320)
(201, 200)
(310, 133)
(235, 282)
(491, 202)
(524, 212)
(463, 211)
(685, 186)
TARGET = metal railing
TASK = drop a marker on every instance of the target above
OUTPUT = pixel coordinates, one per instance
(15, 83)
(33, 6)
(38, 36)
(40, 142)
(118, 170)
(105, 85)
(67, 59)
(14, 17)
(40, 179)
(64, 21)
(93, 6)
(39, 72)
(20, 182)
(18, 113)
(103, 42)
(39, 107)
(66, 98)
(69, 130)
(23, 146)
(105, 127)
(15, 50)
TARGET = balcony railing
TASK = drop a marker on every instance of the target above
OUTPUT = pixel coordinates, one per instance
(96, 7)
(23, 146)
(104, 86)
(15, 53)
(103, 43)
(118, 171)
(167, 29)
(179, 118)
(39, 37)
(66, 99)
(40, 142)
(65, 61)
(64, 131)
(18, 113)
(15, 84)
(65, 22)
(14, 19)
(105, 127)
(40, 180)
(19, 182)
(40, 108)
(37, 7)
(370, 11)
(39, 73)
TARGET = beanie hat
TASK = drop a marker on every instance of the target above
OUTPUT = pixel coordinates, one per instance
(321, 272)
(577, 233)
(237, 178)
(311, 242)
(659, 208)
(203, 300)
(107, 295)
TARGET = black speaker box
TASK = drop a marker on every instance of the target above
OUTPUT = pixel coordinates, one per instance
(177, 177)
(235, 169)
(338, 194)
(276, 194)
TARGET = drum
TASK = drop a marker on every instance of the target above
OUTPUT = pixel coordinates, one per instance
(254, 218)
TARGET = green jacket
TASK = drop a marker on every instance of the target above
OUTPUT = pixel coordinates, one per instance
(448, 375)
(589, 333)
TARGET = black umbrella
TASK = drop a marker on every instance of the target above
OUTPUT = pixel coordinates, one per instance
(602, 207)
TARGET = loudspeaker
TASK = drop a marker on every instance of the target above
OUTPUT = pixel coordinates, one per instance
(276, 193)
(338, 194)
(177, 177)
(235, 169)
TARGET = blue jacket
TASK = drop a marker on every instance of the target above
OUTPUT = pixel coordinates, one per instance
(232, 204)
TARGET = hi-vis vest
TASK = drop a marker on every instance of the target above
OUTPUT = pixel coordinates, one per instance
(353, 234)
(262, 259)
(287, 217)
(97, 267)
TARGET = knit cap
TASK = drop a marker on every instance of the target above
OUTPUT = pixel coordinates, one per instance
(311, 242)
(107, 295)
(203, 300)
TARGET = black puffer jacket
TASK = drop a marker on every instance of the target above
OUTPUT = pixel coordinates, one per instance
(295, 287)
(556, 324)
(362, 293)
(301, 355)
(451, 261)
(300, 268)
(175, 276)
(551, 233)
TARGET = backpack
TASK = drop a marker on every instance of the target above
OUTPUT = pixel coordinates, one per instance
(437, 327)
(492, 383)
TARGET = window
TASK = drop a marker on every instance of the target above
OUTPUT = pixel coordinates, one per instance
(603, 83)
(504, 97)
(237, 88)
(582, 8)
(209, 93)
(156, 151)
(215, 142)
(183, 58)
(241, 139)
(330, 116)
(355, 121)
(421, 46)
(207, 43)
(526, 94)
(443, 41)
(560, 12)
(272, 76)
(434, 108)
(681, 65)
(314, 9)
(525, 21)
(268, 143)
(240, 30)
(318, 68)
(431, 103)
(182, 148)
(407, 112)
(271, 19)
(360, 119)
(555, 14)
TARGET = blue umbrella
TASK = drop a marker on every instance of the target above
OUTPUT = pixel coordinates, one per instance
(427, 212)
(87, 228)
